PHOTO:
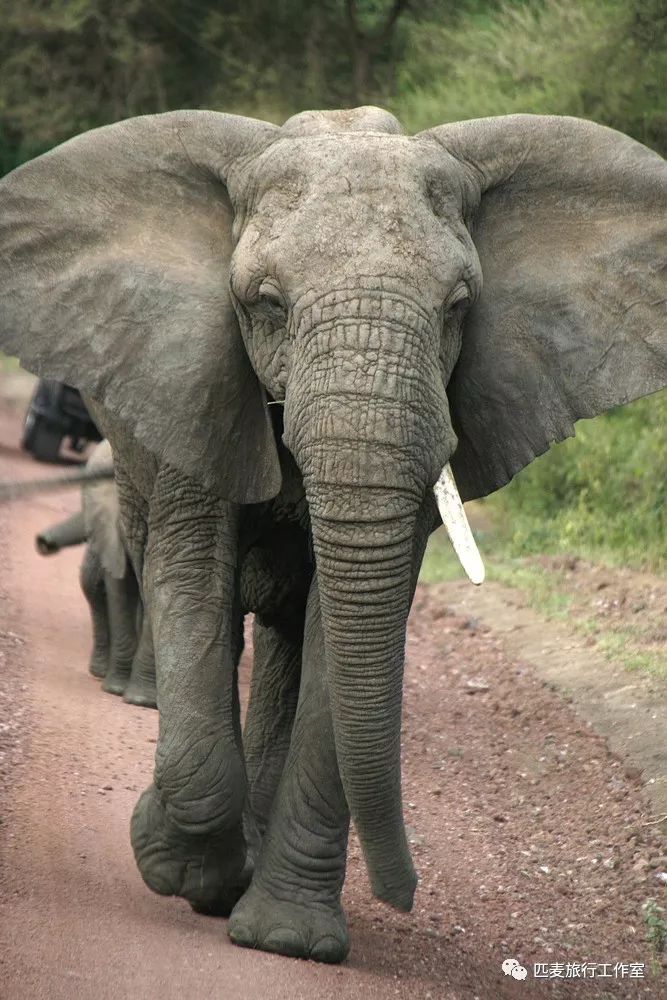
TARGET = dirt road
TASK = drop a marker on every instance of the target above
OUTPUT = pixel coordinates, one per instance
(531, 839)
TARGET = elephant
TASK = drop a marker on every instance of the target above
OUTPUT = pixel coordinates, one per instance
(122, 654)
(307, 344)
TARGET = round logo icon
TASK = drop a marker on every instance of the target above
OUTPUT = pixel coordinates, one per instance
(513, 968)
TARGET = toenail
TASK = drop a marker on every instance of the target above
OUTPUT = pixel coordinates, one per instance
(328, 949)
(242, 935)
(285, 942)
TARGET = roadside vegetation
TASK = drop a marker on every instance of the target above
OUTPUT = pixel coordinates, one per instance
(601, 495)
(621, 617)
(69, 65)
(656, 932)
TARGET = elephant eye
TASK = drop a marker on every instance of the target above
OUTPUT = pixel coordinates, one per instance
(271, 296)
(458, 301)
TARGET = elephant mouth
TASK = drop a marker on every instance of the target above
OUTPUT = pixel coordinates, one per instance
(456, 524)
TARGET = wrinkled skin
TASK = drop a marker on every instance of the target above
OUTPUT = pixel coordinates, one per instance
(122, 654)
(467, 293)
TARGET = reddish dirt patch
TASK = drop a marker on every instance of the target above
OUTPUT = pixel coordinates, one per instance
(528, 834)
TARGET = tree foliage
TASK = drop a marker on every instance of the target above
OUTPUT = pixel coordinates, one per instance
(68, 65)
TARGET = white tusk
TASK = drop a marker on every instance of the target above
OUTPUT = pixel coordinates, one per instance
(455, 521)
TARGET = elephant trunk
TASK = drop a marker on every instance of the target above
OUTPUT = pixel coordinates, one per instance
(60, 536)
(364, 575)
(367, 423)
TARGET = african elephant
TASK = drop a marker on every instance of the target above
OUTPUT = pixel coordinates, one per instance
(122, 652)
(463, 295)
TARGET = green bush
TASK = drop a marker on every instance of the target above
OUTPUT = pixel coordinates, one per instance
(600, 494)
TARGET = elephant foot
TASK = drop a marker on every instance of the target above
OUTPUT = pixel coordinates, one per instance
(141, 693)
(209, 870)
(98, 666)
(315, 930)
(115, 681)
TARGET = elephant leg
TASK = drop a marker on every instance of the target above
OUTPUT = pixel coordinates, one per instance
(274, 693)
(293, 903)
(122, 596)
(91, 577)
(141, 689)
(187, 828)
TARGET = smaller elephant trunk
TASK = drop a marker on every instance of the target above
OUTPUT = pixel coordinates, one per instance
(62, 535)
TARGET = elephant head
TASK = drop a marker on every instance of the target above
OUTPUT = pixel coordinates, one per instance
(464, 294)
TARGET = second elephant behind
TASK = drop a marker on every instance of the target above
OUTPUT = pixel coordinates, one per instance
(122, 653)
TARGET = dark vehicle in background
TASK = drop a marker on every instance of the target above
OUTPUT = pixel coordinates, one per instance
(56, 412)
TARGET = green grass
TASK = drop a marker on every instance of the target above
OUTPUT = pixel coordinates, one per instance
(617, 646)
(656, 932)
(440, 565)
(539, 584)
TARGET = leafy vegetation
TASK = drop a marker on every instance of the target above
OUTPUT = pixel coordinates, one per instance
(69, 65)
(603, 493)
(656, 931)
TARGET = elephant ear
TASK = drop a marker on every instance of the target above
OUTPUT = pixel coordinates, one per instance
(114, 259)
(569, 222)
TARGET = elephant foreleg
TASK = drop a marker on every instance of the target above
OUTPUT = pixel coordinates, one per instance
(293, 903)
(187, 828)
